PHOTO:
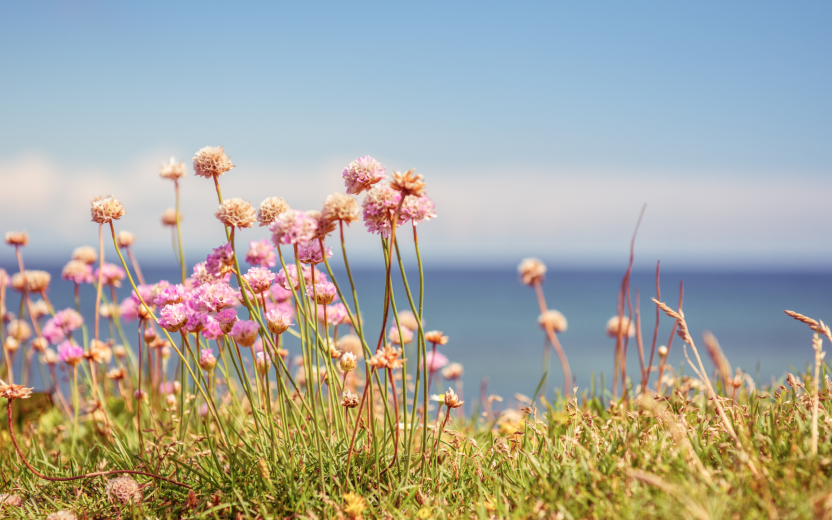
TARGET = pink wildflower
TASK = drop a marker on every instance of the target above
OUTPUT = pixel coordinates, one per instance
(226, 319)
(323, 292)
(211, 328)
(310, 252)
(435, 361)
(212, 297)
(170, 294)
(278, 321)
(58, 328)
(379, 206)
(406, 336)
(207, 361)
(220, 261)
(174, 316)
(70, 353)
(261, 253)
(78, 272)
(336, 314)
(293, 227)
(280, 293)
(146, 293)
(129, 309)
(245, 332)
(259, 278)
(111, 274)
(362, 173)
(418, 209)
(198, 321)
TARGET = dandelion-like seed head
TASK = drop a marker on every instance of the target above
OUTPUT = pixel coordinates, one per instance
(408, 184)
(270, 209)
(236, 213)
(172, 170)
(532, 271)
(211, 161)
(554, 320)
(362, 173)
(124, 490)
(623, 324)
(340, 206)
(12, 392)
(125, 239)
(169, 217)
(106, 209)
(86, 254)
(452, 400)
(17, 238)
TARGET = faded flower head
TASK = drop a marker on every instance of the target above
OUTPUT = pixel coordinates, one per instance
(11, 500)
(452, 371)
(78, 272)
(278, 321)
(436, 336)
(451, 399)
(262, 363)
(211, 161)
(348, 362)
(236, 213)
(261, 253)
(169, 217)
(245, 332)
(293, 227)
(99, 352)
(362, 173)
(12, 392)
(124, 490)
(17, 238)
(207, 360)
(532, 271)
(662, 351)
(106, 209)
(125, 239)
(554, 320)
(172, 170)
(70, 353)
(408, 183)
(86, 254)
(403, 339)
(349, 399)
(31, 281)
(323, 292)
(386, 357)
(270, 209)
(19, 330)
(350, 344)
(340, 206)
(624, 325)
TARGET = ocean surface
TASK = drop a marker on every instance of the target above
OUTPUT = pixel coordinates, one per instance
(491, 319)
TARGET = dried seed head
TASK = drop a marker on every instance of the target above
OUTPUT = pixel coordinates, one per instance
(351, 344)
(408, 183)
(17, 238)
(12, 392)
(452, 400)
(353, 505)
(99, 352)
(39, 344)
(436, 336)
(169, 217)
(554, 320)
(452, 371)
(236, 213)
(211, 161)
(270, 209)
(10, 500)
(11, 345)
(340, 206)
(19, 330)
(614, 325)
(172, 170)
(62, 515)
(116, 374)
(124, 490)
(348, 362)
(349, 399)
(125, 239)
(532, 271)
(324, 226)
(31, 281)
(86, 254)
(106, 209)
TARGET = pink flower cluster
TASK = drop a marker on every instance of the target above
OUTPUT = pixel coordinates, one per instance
(111, 274)
(259, 278)
(70, 353)
(362, 173)
(61, 325)
(379, 207)
(261, 253)
(220, 262)
(293, 227)
(310, 252)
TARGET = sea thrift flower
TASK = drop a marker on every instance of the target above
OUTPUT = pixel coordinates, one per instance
(280, 293)
(211, 162)
(111, 274)
(86, 254)
(262, 363)
(452, 371)
(270, 209)
(50, 357)
(227, 318)
(278, 321)
(324, 226)
(17, 238)
(146, 293)
(169, 217)
(220, 261)
(12, 392)
(362, 173)
(78, 272)
(624, 325)
(236, 213)
(125, 239)
(406, 335)
(340, 206)
(293, 227)
(408, 319)
(124, 490)
(259, 278)
(554, 320)
(170, 294)
(435, 361)
(245, 332)
(261, 253)
(452, 400)
(408, 184)
(31, 281)
(19, 330)
(198, 321)
(212, 297)
(532, 271)
(105, 210)
(310, 252)
(350, 344)
(336, 314)
(172, 170)
(418, 209)
(211, 328)
(323, 292)
(201, 275)
(11, 345)
(70, 353)
(68, 320)
(99, 352)
(39, 344)
(436, 336)
(348, 362)
(207, 361)
(349, 399)
(62, 515)
(174, 316)
(379, 207)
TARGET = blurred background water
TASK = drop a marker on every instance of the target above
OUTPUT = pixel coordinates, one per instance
(491, 319)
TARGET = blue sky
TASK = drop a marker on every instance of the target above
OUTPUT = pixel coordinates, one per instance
(541, 128)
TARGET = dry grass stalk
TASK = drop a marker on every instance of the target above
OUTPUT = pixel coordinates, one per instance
(718, 358)
(696, 510)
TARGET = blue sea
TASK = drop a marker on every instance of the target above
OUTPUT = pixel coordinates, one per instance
(491, 319)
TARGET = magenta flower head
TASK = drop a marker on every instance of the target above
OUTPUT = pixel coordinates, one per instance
(197, 322)
(220, 262)
(261, 252)
(129, 309)
(418, 209)
(207, 361)
(280, 293)
(435, 361)
(288, 278)
(262, 363)
(212, 297)
(170, 294)
(68, 320)
(310, 252)
(245, 332)
(278, 321)
(226, 319)
(323, 292)
(259, 278)
(146, 293)
(293, 227)
(362, 173)
(52, 332)
(70, 353)
(379, 207)
(111, 274)
(336, 314)
(211, 328)
(174, 316)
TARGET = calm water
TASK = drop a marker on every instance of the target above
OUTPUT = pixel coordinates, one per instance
(491, 319)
